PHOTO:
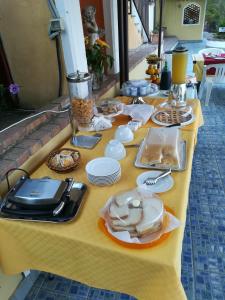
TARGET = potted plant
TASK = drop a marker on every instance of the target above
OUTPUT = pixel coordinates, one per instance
(98, 60)
(155, 34)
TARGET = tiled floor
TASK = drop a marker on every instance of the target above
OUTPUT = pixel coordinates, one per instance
(203, 257)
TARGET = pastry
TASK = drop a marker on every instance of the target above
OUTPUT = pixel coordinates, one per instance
(63, 159)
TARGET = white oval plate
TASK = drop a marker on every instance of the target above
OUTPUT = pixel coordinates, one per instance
(161, 186)
(102, 166)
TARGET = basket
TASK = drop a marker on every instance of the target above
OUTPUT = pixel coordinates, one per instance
(63, 169)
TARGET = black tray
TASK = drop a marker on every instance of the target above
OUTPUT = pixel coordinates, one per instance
(69, 212)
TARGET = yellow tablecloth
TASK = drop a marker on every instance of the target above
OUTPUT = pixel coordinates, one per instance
(80, 251)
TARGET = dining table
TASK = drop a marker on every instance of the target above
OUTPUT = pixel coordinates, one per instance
(80, 249)
(199, 60)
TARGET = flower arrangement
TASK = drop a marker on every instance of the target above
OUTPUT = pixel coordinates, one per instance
(97, 58)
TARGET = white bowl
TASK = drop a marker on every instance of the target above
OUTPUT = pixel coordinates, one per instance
(124, 134)
(102, 166)
(115, 149)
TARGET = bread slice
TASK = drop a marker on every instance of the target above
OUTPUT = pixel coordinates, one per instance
(118, 212)
(152, 154)
(134, 217)
(130, 228)
(125, 198)
(150, 222)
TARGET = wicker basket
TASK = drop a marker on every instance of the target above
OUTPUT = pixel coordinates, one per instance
(61, 169)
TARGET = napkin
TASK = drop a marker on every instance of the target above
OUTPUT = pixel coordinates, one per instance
(98, 124)
(140, 112)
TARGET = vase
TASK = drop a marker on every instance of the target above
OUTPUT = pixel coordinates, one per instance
(97, 79)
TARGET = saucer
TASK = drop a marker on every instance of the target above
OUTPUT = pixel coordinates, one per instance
(161, 186)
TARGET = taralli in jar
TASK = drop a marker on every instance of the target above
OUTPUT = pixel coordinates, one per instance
(83, 111)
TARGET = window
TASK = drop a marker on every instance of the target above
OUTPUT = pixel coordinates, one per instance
(191, 14)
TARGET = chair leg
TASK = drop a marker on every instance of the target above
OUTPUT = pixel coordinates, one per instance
(201, 89)
(208, 91)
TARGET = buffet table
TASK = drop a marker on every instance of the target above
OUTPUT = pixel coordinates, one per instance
(79, 249)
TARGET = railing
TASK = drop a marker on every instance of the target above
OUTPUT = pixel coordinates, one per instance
(142, 7)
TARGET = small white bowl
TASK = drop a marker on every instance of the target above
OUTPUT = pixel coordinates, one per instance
(124, 134)
(115, 149)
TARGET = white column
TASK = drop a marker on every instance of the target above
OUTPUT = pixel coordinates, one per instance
(73, 36)
(111, 31)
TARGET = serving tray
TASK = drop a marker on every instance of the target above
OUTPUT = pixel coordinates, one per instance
(183, 159)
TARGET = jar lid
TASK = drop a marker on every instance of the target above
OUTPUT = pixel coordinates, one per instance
(180, 48)
(78, 77)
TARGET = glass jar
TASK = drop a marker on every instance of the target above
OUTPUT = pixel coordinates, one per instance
(82, 101)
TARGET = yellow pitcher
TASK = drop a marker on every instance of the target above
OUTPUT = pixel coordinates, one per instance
(179, 65)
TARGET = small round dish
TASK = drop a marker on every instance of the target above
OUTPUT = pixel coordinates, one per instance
(161, 186)
(63, 160)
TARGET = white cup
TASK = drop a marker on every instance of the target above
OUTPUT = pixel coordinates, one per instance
(124, 134)
(115, 149)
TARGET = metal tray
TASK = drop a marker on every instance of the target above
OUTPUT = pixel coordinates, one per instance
(183, 159)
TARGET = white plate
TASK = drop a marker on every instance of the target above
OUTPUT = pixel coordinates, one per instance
(161, 186)
(102, 166)
(110, 115)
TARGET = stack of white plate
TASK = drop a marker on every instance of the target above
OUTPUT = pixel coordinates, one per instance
(103, 171)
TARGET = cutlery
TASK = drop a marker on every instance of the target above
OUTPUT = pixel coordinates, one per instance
(152, 181)
(132, 146)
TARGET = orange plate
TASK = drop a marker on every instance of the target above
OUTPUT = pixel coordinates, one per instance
(101, 224)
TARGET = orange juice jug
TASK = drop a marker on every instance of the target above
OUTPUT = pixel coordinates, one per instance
(179, 65)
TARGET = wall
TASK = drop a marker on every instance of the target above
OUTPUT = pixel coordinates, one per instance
(151, 17)
(172, 19)
(31, 54)
(134, 37)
